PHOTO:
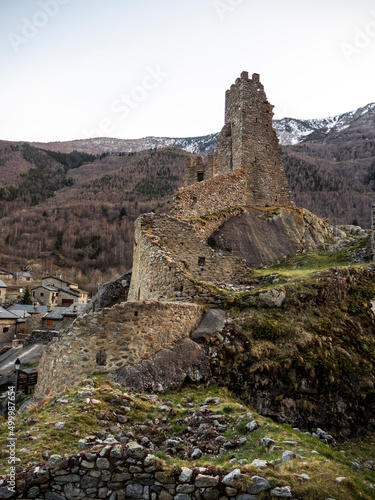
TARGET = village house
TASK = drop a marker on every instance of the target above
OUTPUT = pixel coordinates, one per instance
(22, 276)
(55, 291)
(8, 325)
(45, 295)
(3, 291)
(6, 275)
(31, 314)
(60, 318)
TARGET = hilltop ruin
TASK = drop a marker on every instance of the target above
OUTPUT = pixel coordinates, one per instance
(246, 168)
(235, 212)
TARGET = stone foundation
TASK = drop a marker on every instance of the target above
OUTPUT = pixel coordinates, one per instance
(104, 342)
(120, 472)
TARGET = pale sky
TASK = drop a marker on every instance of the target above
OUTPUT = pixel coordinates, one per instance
(73, 69)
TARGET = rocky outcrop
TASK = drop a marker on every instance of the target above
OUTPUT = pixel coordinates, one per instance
(310, 363)
(111, 293)
(169, 368)
(264, 236)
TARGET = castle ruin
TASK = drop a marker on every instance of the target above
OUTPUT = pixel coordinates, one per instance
(234, 213)
(248, 148)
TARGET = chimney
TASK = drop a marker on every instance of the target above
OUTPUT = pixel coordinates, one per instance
(49, 308)
(75, 308)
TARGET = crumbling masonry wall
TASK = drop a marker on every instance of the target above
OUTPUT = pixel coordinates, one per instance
(127, 471)
(176, 258)
(247, 142)
(212, 196)
(198, 170)
(124, 334)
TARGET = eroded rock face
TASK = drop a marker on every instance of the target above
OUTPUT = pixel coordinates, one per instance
(167, 369)
(264, 236)
(110, 293)
(212, 322)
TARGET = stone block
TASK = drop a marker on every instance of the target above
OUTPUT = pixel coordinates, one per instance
(134, 491)
(102, 463)
(202, 481)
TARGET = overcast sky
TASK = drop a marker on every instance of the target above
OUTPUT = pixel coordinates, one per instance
(73, 69)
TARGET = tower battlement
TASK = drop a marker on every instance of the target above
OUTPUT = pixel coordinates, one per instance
(248, 144)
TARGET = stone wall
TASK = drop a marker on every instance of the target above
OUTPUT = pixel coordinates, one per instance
(41, 337)
(162, 277)
(124, 334)
(118, 472)
(247, 143)
(211, 196)
(58, 324)
(177, 257)
(7, 330)
(197, 169)
(110, 294)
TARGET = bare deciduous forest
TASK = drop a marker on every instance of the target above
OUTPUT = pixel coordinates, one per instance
(75, 211)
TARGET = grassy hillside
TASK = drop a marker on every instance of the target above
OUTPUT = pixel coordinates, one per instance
(102, 408)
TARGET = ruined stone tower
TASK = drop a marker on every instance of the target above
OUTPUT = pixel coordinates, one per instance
(249, 143)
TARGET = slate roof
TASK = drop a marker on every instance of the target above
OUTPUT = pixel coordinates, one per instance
(23, 274)
(28, 308)
(4, 314)
(47, 287)
(59, 279)
(58, 313)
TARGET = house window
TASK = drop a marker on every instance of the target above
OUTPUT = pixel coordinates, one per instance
(200, 176)
(49, 322)
(101, 357)
(42, 294)
(6, 329)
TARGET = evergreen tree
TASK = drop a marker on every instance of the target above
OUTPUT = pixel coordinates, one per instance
(26, 297)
